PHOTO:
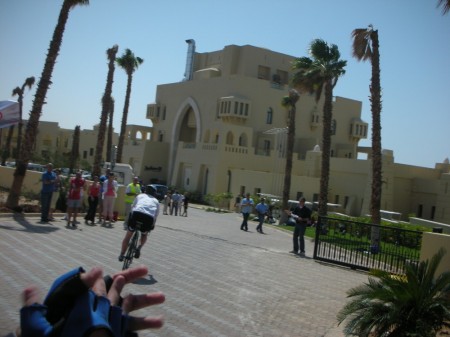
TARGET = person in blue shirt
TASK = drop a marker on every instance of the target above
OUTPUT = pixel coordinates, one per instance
(261, 208)
(246, 208)
(48, 186)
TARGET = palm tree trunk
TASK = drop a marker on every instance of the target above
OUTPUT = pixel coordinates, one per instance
(110, 131)
(7, 149)
(326, 149)
(38, 102)
(124, 120)
(375, 99)
(289, 162)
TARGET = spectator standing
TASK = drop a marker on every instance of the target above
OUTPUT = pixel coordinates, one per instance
(167, 199)
(102, 179)
(176, 198)
(262, 208)
(132, 190)
(246, 208)
(109, 197)
(185, 204)
(57, 187)
(302, 216)
(93, 196)
(237, 203)
(77, 185)
(48, 181)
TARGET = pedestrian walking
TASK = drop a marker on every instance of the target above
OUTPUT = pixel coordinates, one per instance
(246, 208)
(185, 204)
(175, 203)
(167, 200)
(261, 208)
(48, 186)
(302, 216)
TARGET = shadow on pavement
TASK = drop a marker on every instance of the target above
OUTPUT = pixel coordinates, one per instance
(31, 225)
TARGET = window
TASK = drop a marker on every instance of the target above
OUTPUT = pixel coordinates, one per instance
(84, 154)
(269, 116)
(160, 136)
(299, 195)
(164, 113)
(433, 211)
(257, 191)
(266, 147)
(420, 211)
(263, 72)
(91, 151)
(336, 199)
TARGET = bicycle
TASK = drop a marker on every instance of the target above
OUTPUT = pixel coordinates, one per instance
(132, 246)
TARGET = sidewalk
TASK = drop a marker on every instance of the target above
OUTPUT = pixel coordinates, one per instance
(218, 280)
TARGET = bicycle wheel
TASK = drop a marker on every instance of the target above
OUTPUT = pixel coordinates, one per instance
(132, 246)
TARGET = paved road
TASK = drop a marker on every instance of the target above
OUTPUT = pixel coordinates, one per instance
(219, 281)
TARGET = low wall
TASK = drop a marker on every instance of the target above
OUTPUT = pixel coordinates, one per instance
(32, 182)
(430, 224)
(431, 243)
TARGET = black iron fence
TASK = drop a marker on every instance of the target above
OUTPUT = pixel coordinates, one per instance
(365, 246)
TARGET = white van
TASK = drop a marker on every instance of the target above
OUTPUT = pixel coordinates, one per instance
(123, 172)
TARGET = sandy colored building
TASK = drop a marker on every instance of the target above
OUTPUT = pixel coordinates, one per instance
(223, 129)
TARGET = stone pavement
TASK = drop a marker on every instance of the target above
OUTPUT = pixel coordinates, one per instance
(218, 280)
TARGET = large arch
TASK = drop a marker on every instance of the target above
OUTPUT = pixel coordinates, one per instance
(187, 105)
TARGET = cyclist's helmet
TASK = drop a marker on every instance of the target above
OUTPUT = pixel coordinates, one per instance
(151, 190)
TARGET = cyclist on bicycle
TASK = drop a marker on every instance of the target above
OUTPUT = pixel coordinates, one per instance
(144, 210)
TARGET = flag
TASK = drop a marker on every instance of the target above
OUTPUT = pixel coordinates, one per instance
(9, 113)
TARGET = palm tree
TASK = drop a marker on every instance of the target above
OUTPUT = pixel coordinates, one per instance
(416, 304)
(366, 47)
(110, 131)
(321, 72)
(75, 152)
(128, 62)
(19, 91)
(106, 108)
(445, 5)
(38, 102)
(289, 102)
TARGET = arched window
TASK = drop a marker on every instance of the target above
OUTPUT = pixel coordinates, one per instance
(230, 138)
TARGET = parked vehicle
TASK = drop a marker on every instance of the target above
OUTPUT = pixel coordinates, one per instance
(161, 191)
(123, 172)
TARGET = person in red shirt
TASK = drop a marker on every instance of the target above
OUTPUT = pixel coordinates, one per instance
(76, 187)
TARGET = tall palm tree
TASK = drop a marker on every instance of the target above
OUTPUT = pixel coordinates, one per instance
(75, 152)
(106, 108)
(289, 102)
(445, 5)
(416, 304)
(38, 102)
(110, 131)
(366, 47)
(18, 91)
(128, 62)
(316, 74)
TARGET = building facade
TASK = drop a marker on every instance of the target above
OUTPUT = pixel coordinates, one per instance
(223, 129)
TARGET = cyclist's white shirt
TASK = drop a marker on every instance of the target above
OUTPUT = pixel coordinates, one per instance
(146, 204)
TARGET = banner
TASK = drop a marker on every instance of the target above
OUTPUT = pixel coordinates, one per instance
(9, 113)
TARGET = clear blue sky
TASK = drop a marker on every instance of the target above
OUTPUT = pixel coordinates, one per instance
(414, 46)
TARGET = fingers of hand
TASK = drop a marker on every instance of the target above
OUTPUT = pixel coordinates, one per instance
(30, 296)
(91, 276)
(99, 287)
(133, 273)
(116, 289)
(141, 323)
(136, 302)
